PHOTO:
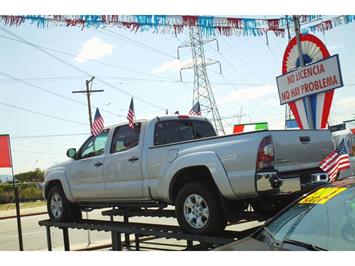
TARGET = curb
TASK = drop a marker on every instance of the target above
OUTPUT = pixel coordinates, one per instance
(24, 215)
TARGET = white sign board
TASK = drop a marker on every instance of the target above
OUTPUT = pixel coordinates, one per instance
(311, 79)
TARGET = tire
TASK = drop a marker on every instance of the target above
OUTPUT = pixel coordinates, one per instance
(198, 209)
(59, 208)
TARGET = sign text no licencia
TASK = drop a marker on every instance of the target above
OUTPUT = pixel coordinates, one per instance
(314, 78)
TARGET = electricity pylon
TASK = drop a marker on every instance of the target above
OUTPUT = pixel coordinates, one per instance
(202, 91)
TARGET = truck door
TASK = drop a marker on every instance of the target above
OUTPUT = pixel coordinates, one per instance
(86, 173)
(123, 164)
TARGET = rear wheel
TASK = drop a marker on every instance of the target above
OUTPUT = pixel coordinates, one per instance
(59, 208)
(198, 209)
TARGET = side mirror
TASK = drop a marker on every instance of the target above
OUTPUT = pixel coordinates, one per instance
(71, 153)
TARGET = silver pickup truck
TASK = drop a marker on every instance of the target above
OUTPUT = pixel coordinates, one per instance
(179, 160)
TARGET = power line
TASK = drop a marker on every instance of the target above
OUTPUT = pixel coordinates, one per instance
(21, 40)
(53, 93)
(49, 136)
(241, 59)
(132, 78)
(41, 89)
(36, 152)
(139, 44)
(236, 70)
(80, 70)
(55, 78)
(42, 114)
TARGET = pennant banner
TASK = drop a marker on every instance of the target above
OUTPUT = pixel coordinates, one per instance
(209, 25)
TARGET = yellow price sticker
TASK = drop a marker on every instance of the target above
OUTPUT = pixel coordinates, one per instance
(322, 195)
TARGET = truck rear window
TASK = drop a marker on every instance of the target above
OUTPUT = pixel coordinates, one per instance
(175, 131)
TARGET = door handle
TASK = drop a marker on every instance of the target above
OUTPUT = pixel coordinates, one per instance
(305, 139)
(133, 158)
(98, 164)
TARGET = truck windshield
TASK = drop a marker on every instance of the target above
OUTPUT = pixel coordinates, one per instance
(175, 131)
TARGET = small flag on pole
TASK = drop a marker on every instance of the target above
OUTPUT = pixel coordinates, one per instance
(131, 115)
(5, 157)
(242, 128)
(195, 110)
(98, 125)
(337, 160)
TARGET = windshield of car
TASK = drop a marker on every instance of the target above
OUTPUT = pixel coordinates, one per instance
(325, 219)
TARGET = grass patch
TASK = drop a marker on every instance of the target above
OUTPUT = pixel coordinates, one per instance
(23, 205)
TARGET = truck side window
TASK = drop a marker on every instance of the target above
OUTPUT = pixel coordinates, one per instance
(203, 130)
(174, 131)
(94, 146)
(125, 138)
(166, 132)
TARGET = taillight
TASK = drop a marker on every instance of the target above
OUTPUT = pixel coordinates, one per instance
(183, 117)
(265, 157)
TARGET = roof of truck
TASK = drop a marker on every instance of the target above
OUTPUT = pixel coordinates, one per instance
(164, 118)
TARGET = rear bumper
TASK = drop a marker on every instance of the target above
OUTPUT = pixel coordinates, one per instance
(271, 183)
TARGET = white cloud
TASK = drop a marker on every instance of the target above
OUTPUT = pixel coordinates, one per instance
(93, 48)
(249, 93)
(173, 64)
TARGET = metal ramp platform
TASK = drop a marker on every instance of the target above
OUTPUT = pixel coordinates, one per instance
(143, 230)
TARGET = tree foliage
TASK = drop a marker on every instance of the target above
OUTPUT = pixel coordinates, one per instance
(31, 176)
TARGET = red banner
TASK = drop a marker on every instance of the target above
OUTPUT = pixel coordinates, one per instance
(5, 159)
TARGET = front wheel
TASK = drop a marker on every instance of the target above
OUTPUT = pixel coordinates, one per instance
(59, 208)
(198, 209)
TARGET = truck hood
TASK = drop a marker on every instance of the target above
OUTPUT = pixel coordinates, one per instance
(63, 164)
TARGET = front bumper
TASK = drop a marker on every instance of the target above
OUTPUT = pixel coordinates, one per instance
(271, 183)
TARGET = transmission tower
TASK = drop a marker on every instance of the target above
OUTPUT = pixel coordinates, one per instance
(202, 91)
(288, 114)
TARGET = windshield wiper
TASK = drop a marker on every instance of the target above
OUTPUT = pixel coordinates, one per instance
(305, 245)
(273, 241)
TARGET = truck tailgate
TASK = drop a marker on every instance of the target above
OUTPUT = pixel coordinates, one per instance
(300, 149)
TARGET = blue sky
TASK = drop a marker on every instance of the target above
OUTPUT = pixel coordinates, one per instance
(144, 65)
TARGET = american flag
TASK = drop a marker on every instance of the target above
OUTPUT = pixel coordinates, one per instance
(337, 160)
(195, 110)
(130, 115)
(98, 125)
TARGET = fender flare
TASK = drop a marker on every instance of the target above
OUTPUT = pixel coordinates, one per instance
(208, 159)
(58, 175)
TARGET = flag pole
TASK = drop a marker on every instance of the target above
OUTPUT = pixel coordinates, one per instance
(19, 228)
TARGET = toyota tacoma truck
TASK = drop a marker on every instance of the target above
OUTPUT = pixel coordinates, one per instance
(179, 160)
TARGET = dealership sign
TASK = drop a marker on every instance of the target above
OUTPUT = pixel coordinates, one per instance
(314, 78)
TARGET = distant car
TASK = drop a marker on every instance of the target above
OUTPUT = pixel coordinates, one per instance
(321, 220)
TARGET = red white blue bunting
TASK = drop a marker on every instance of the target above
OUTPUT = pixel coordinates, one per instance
(209, 25)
